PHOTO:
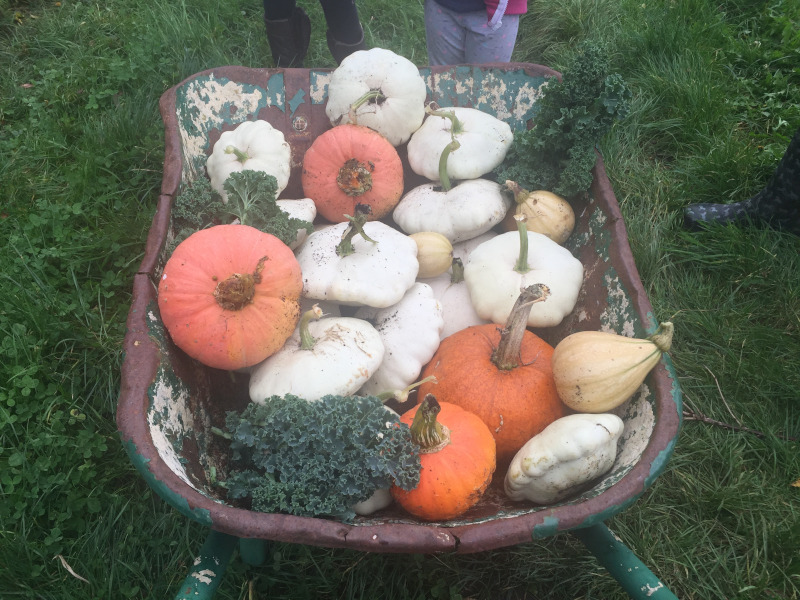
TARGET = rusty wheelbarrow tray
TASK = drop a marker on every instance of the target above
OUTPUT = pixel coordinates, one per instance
(168, 402)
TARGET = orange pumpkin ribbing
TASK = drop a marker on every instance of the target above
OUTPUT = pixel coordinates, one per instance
(515, 404)
(349, 165)
(229, 295)
(453, 478)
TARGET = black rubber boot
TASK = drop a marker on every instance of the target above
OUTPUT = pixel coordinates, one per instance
(340, 50)
(777, 205)
(289, 39)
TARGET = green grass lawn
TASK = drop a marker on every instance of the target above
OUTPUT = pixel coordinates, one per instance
(716, 98)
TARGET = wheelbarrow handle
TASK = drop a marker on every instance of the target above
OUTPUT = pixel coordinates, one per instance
(632, 574)
(206, 574)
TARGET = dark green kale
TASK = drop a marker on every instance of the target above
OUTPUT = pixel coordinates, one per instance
(251, 201)
(557, 154)
(319, 458)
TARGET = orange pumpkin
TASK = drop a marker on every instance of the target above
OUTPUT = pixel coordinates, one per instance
(229, 295)
(349, 165)
(457, 457)
(503, 376)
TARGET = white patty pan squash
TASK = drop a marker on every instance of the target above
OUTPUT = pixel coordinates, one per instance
(451, 289)
(378, 89)
(301, 208)
(569, 453)
(410, 333)
(483, 141)
(252, 146)
(494, 277)
(332, 355)
(463, 212)
(375, 272)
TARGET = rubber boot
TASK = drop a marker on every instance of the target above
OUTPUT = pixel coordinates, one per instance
(777, 205)
(289, 39)
(340, 50)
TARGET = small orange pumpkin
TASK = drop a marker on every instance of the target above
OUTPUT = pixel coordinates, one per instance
(349, 165)
(503, 376)
(229, 295)
(457, 457)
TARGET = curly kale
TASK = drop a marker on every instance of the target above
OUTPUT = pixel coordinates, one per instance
(251, 201)
(558, 153)
(318, 458)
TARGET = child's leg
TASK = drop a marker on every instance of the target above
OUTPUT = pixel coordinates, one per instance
(444, 35)
(486, 46)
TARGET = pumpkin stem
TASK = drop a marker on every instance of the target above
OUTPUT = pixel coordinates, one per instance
(520, 193)
(506, 356)
(522, 260)
(240, 156)
(402, 395)
(430, 435)
(237, 291)
(456, 270)
(375, 95)
(307, 340)
(444, 178)
(354, 177)
(662, 338)
(345, 247)
(456, 126)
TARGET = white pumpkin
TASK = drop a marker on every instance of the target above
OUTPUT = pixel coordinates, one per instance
(410, 332)
(251, 146)
(483, 141)
(332, 355)
(463, 212)
(378, 89)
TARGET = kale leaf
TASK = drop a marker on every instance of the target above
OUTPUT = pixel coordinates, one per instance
(557, 154)
(319, 458)
(251, 201)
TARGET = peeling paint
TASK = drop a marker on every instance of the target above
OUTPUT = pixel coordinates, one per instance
(205, 576)
(649, 590)
(168, 419)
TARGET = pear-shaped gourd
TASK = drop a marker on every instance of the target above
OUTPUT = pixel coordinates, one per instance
(596, 371)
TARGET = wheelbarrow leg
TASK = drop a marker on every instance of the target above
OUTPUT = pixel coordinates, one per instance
(203, 580)
(253, 551)
(632, 574)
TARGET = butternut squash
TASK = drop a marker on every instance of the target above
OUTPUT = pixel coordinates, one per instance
(596, 371)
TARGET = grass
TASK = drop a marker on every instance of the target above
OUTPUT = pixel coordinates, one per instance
(716, 100)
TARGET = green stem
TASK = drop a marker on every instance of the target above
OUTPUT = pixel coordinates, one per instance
(444, 178)
(456, 270)
(456, 126)
(370, 95)
(240, 156)
(522, 260)
(507, 354)
(430, 435)
(307, 340)
(356, 227)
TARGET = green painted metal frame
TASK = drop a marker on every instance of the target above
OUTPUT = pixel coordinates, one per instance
(292, 101)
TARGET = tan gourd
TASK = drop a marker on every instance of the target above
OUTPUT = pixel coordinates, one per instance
(434, 253)
(596, 371)
(546, 213)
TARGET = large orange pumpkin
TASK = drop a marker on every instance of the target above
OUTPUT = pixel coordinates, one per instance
(349, 165)
(503, 376)
(229, 295)
(457, 458)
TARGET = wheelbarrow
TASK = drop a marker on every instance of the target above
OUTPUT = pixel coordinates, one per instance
(169, 403)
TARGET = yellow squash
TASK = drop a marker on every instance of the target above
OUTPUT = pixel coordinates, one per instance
(596, 371)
